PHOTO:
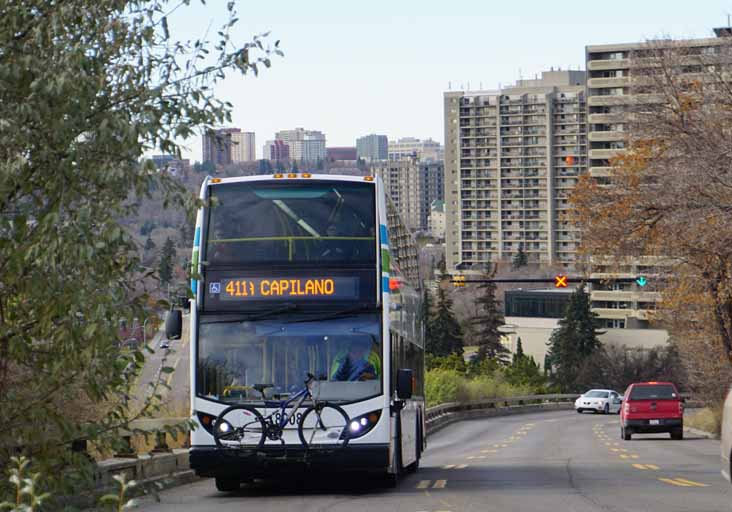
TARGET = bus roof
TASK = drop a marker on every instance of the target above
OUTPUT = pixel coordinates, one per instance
(289, 177)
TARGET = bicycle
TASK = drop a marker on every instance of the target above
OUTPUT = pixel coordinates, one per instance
(323, 425)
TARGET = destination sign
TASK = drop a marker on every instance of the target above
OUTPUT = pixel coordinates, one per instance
(289, 288)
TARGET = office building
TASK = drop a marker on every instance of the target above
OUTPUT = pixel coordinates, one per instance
(410, 148)
(373, 147)
(610, 97)
(341, 153)
(227, 146)
(512, 157)
(276, 151)
(412, 186)
(305, 145)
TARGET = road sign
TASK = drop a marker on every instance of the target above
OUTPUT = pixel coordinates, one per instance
(642, 281)
(458, 281)
(560, 281)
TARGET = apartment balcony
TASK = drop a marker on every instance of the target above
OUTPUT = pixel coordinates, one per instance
(604, 154)
(601, 172)
(606, 118)
(609, 64)
(612, 314)
(608, 101)
(607, 136)
(596, 83)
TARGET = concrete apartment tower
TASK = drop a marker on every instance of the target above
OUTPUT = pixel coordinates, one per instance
(610, 96)
(512, 157)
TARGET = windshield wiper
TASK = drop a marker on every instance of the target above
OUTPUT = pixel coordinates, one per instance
(337, 314)
(289, 306)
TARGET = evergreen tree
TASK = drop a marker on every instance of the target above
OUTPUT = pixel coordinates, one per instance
(445, 335)
(574, 341)
(265, 167)
(280, 166)
(520, 259)
(519, 351)
(294, 166)
(165, 268)
(149, 244)
(487, 322)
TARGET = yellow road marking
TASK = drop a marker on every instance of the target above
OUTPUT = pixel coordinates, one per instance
(489, 451)
(440, 484)
(449, 466)
(691, 482)
(653, 467)
(639, 466)
(424, 484)
(622, 456)
(674, 482)
(170, 375)
(614, 449)
(462, 466)
(608, 444)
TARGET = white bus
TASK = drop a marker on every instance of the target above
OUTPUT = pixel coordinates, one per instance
(305, 275)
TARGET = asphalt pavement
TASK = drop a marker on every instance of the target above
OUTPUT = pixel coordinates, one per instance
(548, 462)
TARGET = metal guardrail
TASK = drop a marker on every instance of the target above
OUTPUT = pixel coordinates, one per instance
(493, 403)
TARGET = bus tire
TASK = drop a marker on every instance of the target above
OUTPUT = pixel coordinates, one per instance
(227, 483)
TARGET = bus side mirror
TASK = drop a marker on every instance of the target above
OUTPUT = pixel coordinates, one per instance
(174, 324)
(404, 384)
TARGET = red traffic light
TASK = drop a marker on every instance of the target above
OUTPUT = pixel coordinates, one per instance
(560, 281)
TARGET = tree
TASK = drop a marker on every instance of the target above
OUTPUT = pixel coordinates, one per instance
(265, 167)
(668, 196)
(520, 259)
(445, 336)
(149, 244)
(167, 258)
(487, 321)
(88, 89)
(519, 350)
(208, 167)
(574, 342)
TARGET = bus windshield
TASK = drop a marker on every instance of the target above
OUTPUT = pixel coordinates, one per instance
(291, 222)
(344, 353)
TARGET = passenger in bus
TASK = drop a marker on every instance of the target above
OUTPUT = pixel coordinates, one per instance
(359, 363)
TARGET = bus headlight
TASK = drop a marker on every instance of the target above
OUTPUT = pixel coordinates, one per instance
(361, 425)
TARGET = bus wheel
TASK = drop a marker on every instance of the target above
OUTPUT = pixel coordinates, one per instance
(227, 483)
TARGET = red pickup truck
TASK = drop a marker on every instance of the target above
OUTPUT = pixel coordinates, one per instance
(652, 407)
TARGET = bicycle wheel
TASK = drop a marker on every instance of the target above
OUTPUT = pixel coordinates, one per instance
(324, 426)
(239, 427)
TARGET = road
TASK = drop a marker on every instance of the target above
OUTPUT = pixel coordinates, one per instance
(176, 400)
(548, 462)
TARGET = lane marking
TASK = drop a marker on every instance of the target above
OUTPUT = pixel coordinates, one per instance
(449, 466)
(462, 466)
(489, 451)
(424, 484)
(440, 484)
(674, 482)
(691, 482)
(474, 457)
(653, 467)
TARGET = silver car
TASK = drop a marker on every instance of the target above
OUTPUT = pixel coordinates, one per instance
(727, 437)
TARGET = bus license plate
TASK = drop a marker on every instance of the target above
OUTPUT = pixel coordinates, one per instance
(654, 422)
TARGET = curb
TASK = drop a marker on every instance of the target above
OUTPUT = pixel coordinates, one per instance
(701, 433)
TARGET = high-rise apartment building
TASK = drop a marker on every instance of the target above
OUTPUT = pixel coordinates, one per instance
(412, 186)
(411, 148)
(372, 147)
(305, 145)
(276, 150)
(612, 92)
(512, 157)
(227, 146)
(242, 147)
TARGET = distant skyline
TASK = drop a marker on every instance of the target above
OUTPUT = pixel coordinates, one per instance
(349, 70)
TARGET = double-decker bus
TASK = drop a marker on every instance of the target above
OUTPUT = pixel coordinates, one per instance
(302, 274)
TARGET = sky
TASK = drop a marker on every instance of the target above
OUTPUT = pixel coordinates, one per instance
(376, 66)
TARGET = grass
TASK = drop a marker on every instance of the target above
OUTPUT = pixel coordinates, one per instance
(708, 419)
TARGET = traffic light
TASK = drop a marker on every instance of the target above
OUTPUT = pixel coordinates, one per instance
(458, 281)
